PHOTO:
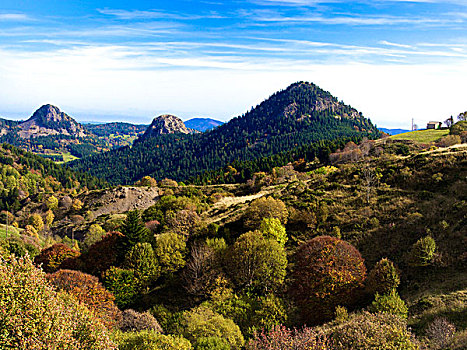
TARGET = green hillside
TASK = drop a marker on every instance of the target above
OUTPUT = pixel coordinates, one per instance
(423, 136)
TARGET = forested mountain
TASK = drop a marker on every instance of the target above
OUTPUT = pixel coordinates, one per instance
(294, 118)
(202, 124)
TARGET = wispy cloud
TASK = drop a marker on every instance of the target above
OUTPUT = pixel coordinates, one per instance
(14, 17)
(146, 15)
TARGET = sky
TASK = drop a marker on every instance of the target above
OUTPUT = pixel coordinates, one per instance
(392, 60)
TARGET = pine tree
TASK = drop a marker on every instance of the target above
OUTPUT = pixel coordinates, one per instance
(134, 232)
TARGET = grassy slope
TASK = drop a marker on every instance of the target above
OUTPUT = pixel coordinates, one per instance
(423, 136)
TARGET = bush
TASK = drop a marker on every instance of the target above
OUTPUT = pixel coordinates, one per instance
(327, 272)
(52, 257)
(150, 340)
(440, 333)
(133, 321)
(449, 140)
(423, 251)
(33, 316)
(202, 322)
(380, 331)
(279, 337)
(88, 290)
(391, 303)
(212, 343)
(383, 278)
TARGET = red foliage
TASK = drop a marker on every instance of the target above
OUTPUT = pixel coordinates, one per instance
(51, 258)
(88, 290)
(103, 254)
(327, 273)
(280, 337)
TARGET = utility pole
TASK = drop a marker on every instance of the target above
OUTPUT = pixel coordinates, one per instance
(412, 125)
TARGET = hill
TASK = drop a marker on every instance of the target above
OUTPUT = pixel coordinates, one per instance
(202, 124)
(424, 136)
(300, 116)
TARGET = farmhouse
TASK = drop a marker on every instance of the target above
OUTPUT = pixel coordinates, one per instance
(433, 125)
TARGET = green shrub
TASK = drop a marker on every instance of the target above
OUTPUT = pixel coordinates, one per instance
(150, 340)
(382, 331)
(383, 278)
(212, 343)
(391, 303)
(422, 251)
(123, 284)
(202, 322)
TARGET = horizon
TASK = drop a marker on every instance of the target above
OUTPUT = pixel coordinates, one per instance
(392, 60)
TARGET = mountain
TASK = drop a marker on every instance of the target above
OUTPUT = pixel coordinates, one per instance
(49, 120)
(393, 131)
(202, 124)
(299, 119)
(164, 125)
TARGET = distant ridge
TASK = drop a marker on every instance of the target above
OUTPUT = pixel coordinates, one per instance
(203, 124)
(393, 131)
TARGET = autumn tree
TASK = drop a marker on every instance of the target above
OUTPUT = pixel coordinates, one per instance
(51, 258)
(272, 228)
(95, 234)
(52, 203)
(422, 251)
(103, 254)
(123, 284)
(265, 207)
(35, 220)
(258, 262)
(88, 290)
(326, 273)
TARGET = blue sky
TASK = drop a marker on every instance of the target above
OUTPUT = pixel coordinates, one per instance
(122, 60)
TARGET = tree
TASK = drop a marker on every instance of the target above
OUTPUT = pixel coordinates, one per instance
(272, 228)
(33, 316)
(88, 290)
(142, 260)
(202, 322)
(51, 258)
(383, 278)
(258, 262)
(326, 274)
(103, 254)
(77, 204)
(183, 222)
(170, 251)
(52, 203)
(265, 207)
(123, 284)
(49, 218)
(150, 340)
(134, 230)
(462, 116)
(95, 234)
(35, 220)
(449, 121)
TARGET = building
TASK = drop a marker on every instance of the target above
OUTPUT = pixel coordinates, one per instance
(433, 125)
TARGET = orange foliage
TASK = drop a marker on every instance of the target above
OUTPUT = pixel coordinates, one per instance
(88, 290)
(51, 258)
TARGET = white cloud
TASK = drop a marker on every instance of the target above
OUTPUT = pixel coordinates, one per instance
(14, 17)
(121, 81)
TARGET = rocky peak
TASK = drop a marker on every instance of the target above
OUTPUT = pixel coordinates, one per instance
(49, 120)
(166, 124)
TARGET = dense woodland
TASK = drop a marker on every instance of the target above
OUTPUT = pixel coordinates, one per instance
(292, 119)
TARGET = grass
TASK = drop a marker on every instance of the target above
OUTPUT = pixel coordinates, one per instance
(12, 231)
(422, 136)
